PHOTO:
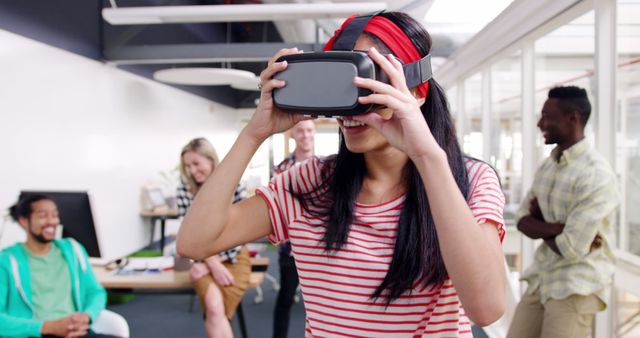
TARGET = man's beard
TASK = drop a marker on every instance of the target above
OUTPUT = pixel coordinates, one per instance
(39, 238)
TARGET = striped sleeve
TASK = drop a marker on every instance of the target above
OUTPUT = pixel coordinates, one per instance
(486, 199)
(279, 196)
(594, 202)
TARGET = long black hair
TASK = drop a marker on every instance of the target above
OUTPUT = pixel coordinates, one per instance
(416, 258)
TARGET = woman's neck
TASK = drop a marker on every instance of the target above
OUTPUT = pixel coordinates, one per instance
(383, 180)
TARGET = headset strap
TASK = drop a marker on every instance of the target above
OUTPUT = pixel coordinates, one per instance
(415, 73)
(348, 37)
(418, 72)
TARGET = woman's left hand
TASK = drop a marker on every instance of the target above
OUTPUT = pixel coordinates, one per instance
(220, 273)
(406, 128)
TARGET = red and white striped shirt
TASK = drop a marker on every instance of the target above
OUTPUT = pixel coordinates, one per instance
(337, 286)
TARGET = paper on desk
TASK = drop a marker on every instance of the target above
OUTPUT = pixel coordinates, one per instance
(96, 261)
(149, 263)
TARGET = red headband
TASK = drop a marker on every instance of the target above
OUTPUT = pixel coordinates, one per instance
(393, 37)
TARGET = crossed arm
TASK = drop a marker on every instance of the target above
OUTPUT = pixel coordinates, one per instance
(534, 226)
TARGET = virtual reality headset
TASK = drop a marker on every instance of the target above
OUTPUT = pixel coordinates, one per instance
(321, 83)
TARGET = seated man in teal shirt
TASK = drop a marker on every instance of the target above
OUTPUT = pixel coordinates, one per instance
(47, 287)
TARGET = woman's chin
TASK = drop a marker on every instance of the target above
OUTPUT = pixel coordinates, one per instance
(357, 147)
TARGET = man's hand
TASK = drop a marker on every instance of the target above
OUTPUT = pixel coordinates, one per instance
(534, 209)
(597, 243)
(74, 325)
(79, 325)
(60, 327)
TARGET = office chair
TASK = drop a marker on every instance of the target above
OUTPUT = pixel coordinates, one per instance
(111, 323)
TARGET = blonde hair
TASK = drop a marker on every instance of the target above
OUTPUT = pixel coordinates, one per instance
(201, 147)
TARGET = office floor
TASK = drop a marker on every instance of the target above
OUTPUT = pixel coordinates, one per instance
(168, 316)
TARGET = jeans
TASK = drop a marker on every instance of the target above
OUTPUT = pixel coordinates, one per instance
(288, 285)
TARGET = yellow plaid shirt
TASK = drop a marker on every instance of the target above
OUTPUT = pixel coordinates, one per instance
(576, 187)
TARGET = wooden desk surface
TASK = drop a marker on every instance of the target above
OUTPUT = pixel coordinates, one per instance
(170, 279)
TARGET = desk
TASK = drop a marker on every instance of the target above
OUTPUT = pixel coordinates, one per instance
(172, 281)
(168, 280)
(162, 215)
(165, 280)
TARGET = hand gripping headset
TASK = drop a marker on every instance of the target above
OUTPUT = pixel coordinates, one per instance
(321, 83)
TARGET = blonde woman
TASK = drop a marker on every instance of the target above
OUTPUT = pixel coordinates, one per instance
(219, 280)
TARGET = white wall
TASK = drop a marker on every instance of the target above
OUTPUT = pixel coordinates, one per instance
(71, 123)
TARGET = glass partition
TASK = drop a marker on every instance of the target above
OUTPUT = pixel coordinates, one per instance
(472, 139)
(628, 138)
(506, 126)
(627, 315)
(565, 57)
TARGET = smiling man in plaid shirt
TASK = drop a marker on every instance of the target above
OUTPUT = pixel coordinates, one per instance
(571, 206)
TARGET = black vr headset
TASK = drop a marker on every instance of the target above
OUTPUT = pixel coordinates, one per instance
(321, 83)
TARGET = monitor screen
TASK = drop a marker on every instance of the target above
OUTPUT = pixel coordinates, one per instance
(76, 217)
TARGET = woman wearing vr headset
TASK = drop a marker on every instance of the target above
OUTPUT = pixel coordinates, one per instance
(398, 234)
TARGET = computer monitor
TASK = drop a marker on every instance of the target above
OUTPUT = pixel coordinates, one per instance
(76, 217)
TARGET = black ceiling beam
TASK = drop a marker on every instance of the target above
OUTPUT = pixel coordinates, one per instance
(211, 52)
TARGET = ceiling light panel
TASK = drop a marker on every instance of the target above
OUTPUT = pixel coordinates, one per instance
(203, 76)
(235, 13)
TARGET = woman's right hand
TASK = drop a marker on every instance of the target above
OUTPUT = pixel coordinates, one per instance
(268, 119)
